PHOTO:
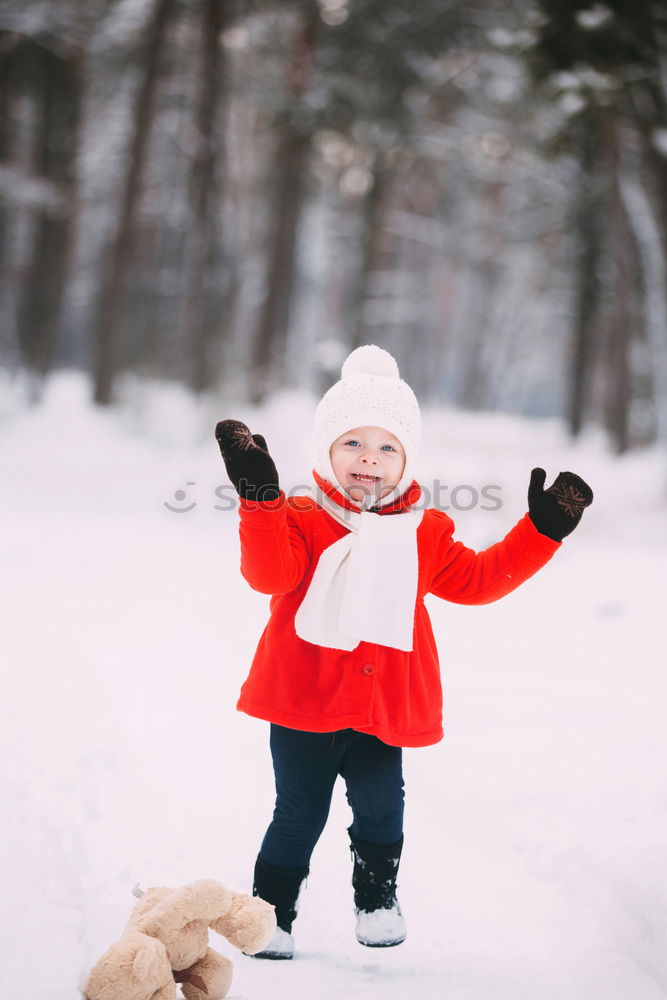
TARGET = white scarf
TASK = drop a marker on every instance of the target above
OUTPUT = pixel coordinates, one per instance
(365, 584)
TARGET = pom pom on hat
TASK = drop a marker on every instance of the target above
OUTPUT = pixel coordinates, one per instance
(370, 393)
(369, 360)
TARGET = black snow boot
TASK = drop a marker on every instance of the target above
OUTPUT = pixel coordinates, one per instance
(280, 887)
(380, 923)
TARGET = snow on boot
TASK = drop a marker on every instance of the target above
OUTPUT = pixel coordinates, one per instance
(280, 887)
(381, 928)
(380, 923)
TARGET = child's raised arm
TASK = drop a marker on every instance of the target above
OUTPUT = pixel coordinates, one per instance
(465, 576)
(274, 558)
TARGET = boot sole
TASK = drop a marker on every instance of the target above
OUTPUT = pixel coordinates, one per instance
(381, 944)
(273, 956)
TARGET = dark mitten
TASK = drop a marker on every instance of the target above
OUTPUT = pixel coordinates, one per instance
(557, 511)
(247, 460)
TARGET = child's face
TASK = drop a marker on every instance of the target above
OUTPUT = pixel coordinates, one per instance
(367, 462)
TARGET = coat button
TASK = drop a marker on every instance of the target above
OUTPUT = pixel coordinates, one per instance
(368, 669)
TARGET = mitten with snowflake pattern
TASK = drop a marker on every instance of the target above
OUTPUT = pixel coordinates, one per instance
(247, 460)
(556, 512)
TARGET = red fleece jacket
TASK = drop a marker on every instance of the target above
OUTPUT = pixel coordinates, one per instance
(393, 694)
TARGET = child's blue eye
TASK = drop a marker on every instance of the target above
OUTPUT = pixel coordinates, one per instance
(354, 441)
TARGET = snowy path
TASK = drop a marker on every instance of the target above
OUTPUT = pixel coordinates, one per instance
(534, 858)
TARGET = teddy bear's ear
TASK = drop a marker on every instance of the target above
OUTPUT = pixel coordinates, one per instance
(149, 953)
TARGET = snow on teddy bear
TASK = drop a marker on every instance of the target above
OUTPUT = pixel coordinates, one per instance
(165, 942)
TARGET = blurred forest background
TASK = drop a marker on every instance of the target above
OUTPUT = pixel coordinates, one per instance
(232, 194)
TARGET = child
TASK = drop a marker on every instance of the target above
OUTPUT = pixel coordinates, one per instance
(346, 670)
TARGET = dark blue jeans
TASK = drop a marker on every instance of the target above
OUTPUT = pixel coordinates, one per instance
(306, 766)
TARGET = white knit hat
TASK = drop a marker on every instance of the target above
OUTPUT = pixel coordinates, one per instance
(369, 394)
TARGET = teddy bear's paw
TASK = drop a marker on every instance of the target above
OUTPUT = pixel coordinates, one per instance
(281, 946)
(249, 924)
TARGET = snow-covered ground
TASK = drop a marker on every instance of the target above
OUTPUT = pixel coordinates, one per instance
(535, 832)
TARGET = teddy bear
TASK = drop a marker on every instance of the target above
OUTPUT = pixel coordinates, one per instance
(165, 942)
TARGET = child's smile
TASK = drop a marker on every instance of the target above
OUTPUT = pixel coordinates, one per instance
(367, 461)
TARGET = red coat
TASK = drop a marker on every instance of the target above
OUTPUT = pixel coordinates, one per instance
(395, 695)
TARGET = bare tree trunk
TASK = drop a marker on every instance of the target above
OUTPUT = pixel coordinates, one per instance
(487, 277)
(58, 79)
(641, 216)
(202, 197)
(588, 291)
(646, 202)
(10, 59)
(289, 179)
(413, 337)
(376, 244)
(648, 101)
(110, 301)
(620, 332)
